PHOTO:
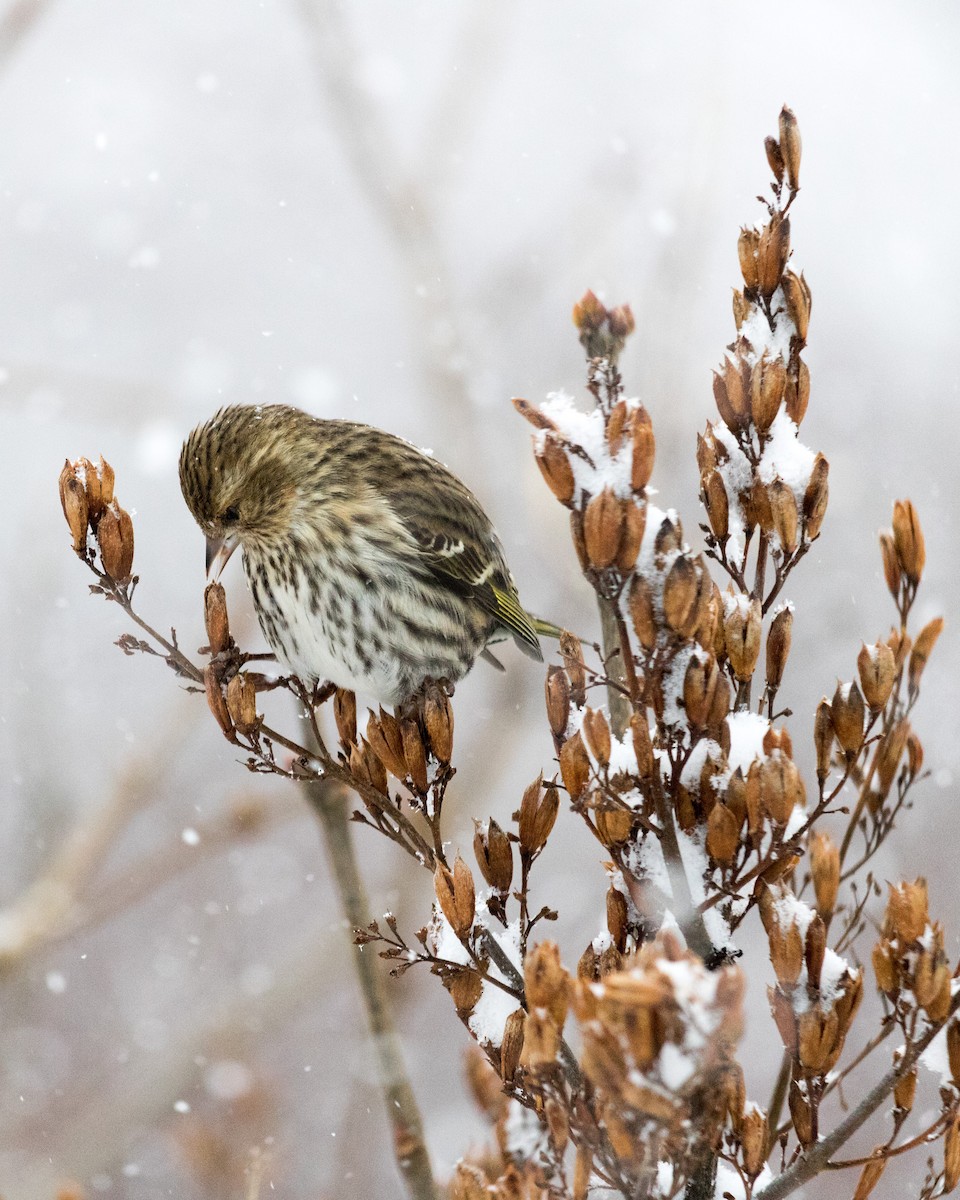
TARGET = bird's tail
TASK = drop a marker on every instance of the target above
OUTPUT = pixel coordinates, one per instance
(545, 628)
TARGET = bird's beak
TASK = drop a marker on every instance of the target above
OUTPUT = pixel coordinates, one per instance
(218, 554)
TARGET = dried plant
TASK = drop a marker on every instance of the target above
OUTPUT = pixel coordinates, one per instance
(621, 1075)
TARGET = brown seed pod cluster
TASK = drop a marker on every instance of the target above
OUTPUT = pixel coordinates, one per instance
(814, 1001)
(89, 505)
(637, 1023)
(909, 960)
(414, 745)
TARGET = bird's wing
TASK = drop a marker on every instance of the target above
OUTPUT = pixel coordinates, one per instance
(461, 562)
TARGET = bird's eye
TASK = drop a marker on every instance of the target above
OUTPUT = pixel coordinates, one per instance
(231, 514)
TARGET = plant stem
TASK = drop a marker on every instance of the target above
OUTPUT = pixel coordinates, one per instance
(617, 697)
(330, 801)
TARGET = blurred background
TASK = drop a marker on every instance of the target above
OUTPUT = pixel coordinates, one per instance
(385, 212)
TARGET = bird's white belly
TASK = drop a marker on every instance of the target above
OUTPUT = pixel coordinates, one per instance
(333, 637)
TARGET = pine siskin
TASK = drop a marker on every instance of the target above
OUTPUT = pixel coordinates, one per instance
(370, 564)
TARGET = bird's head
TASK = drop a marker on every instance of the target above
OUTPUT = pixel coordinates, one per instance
(238, 474)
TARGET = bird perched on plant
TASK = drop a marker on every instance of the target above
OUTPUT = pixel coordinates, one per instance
(370, 564)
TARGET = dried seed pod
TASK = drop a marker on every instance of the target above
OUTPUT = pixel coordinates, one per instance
(469, 1182)
(93, 489)
(891, 564)
(582, 1173)
(596, 730)
(708, 457)
(642, 745)
(445, 890)
(774, 157)
(885, 968)
(537, 815)
(700, 684)
(644, 449)
(364, 764)
(878, 671)
(723, 835)
(602, 529)
(574, 766)
(620, 321)
(537, 417)
(922, 649)
(781, 788)
(438, 719)
(825, 870)
(555, 467)
(869, 1177)
(820, 1042)
(617, 917)
(106, 474)
(680, 597)
(616, 424)
(558, 1124)
(572, 654)
(786, 953)
(512, 1044)
(589, 314)
(215, 701)
(494, 855)
(242, 703)
(345, 715)
(642, 613)
(557, 690)
(908, 911)
(815, 946)
(753, 1140)
(715, 501)
(908, 540)
(73, 498)
(634, 526)
(719, 709)
(905, 1091)
(546, 983)
(783, 509)
(778, 646)
(767, 388)
(914, 754)
(541, 1040)
(614, 825)
(772, 253)
(889, 752)
(790, 147)
(386, 741)
(815, 498)
(797, 295)
(414, 756)
(847, 711)
(455, 895)
(215, 618)
(742, 627)
(736, 380)
(823, 738)
(669, 539)
(115, 539)
(748, 244)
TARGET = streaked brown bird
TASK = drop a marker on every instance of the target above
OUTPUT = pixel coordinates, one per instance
(370, 564)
